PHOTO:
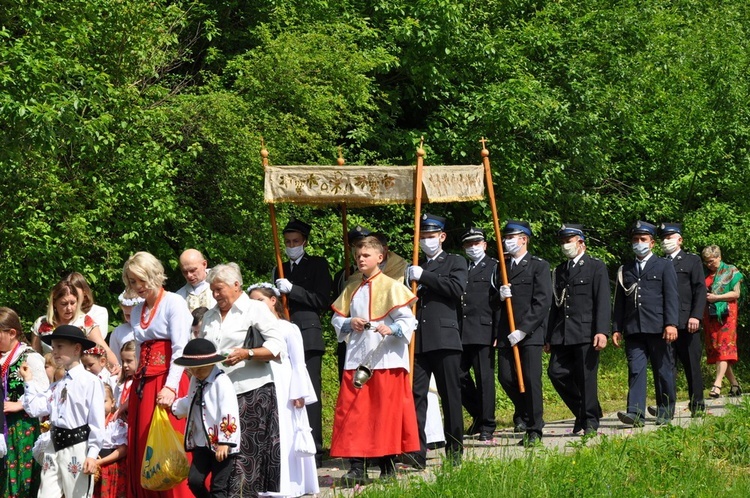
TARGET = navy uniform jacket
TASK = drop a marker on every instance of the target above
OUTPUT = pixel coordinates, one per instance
(691, 285)
(476, 314)
(310, 296)
(439, 291)
(531, 287)
(654, 302)
(585, 307)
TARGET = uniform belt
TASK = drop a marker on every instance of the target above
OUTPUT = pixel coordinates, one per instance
(65, 438)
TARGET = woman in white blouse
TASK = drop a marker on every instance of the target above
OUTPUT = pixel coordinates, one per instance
(257, 466)
(161, 327)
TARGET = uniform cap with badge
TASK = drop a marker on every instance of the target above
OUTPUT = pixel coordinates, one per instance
(513, 227)
(473, 234)
(570, 229)
(432, 223)
(296, 225)
(643, 227)
(667, 229)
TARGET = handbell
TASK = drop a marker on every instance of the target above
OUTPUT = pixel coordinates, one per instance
(361, 376)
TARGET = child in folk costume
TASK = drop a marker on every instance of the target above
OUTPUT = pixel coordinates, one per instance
(212, 431)
(125, 383)
(95, 361)
(75, 406)
(377, 420)
(112, 465)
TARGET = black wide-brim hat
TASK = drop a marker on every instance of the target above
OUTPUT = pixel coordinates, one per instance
(69, 333)
(199, 353)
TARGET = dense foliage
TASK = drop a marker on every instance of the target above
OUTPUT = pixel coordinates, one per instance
(130, 125)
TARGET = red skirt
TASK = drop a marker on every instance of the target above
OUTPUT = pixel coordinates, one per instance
(377, 420)
(153, 368)
(113, 481)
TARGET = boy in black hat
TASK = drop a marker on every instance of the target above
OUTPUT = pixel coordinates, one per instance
(212, 431)
(477, 337)
(75, 406)
(307, 283)
(646, 313)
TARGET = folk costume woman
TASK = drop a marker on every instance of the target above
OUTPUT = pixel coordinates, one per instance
(19, 476)
(378, 420)
(724, 284)
(161, 327)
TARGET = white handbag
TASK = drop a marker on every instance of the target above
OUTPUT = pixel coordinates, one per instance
(304, 444)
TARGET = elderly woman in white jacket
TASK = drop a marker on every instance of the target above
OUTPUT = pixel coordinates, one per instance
(257, 466)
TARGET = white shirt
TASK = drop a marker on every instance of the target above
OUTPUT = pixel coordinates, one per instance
(115, 434)
(123, 333)
(642, 262)
(230, 333)
(75, 400)
(217, 419)
(172, 322)
(197, 296)
(394, 354)
(100, 315)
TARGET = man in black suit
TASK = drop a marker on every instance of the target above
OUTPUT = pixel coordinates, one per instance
(441, 279)
(477, 337)
(691, 287)
(579, 325)
(646, 313)
(307, 284)
(529, 279)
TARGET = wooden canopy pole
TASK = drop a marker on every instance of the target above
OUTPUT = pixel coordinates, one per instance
(345, 226)
(415, 253)
(274, 231)
(503, 270)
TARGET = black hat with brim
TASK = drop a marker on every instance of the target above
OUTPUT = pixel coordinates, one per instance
(199, 353)
(298, 226)
(69, 333)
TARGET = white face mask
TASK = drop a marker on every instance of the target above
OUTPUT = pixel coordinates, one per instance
(430, 246)
(669, 246)
(294, 253)
(511, 246)
(641, 249)
(569, 250)
(475, 253)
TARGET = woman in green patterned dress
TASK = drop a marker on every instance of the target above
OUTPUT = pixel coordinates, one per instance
(19, 473)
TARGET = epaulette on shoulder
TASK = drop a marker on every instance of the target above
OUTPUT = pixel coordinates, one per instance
(537, 258)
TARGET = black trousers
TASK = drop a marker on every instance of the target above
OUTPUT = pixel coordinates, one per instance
(204, 463)
(445, 364)
(314, 361)
(478, 394)
(573, 371)
(528, 407)
(688, 348)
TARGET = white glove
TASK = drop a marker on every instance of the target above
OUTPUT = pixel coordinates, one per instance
(415, 273)
(505, 292)
(516, 336)
(284, 285)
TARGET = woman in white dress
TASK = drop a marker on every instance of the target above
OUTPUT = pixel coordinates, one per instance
(294, 390)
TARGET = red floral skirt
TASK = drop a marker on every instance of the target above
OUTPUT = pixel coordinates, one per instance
(113, 481)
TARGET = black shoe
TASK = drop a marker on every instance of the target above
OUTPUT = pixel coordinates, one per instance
(414, 459)
(698, 411)
(590, 432)
(651, 410)
(577, 427)
(486, 436)
(530, 439)
(355, 477)
(630, 419)
(663, 420)
(520, 427)
(735, 391)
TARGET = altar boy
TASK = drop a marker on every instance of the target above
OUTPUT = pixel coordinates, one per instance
(75, 406)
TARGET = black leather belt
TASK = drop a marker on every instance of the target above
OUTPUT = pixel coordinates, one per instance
(65, 438)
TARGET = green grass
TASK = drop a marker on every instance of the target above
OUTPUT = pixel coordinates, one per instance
(706, 459)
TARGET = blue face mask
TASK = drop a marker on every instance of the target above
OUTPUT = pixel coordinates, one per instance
(641, 249)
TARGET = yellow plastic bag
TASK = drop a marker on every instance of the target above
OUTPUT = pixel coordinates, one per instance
(165, 464)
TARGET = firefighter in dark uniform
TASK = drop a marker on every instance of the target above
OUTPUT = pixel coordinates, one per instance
(579, 325)
(530, 288)
(441, 279)
(477, 337)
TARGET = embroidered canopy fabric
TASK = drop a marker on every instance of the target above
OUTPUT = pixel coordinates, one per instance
(369, 185)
